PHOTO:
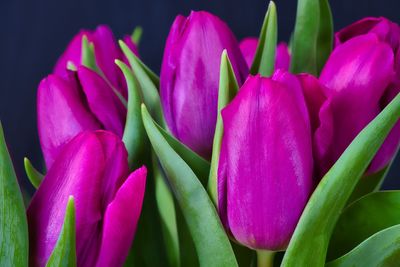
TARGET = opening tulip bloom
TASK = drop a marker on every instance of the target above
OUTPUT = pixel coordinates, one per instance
(248, 46)
(361, 77)
(106, 51)
(190, 77)
(265, 172)
(93, 168)
(74, 103)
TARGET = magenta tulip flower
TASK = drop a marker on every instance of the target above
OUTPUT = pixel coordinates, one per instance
(93, 168)
(248, 46)
(190, 77)
(361, 77)
(74, 103)
(265, 172)
(106, 50)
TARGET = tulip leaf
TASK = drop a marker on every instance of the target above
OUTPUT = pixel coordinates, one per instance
(13, 225)
(139, 66)
(313, 36)
(325, 34)
(211, 242)
(137, 35)
(134, 137)
(64, 252)
(264, 59)
(166, 208)
(88, 57)
(362, 219)
(200, 166)
(369, 183)
(309, 243)
(228, 87)
(34, 176)
(381, 249)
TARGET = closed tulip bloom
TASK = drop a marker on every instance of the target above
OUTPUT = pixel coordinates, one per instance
(93, 168)
(190, 77)
(265, 169)
(74, 103)
(248, 46)
(106, 50)
(361, 77)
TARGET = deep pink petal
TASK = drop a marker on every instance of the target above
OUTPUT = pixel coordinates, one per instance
(107, 51)
(265, 168)
(190, 77)
(121, 219)
(282, 60)
(102, 100)
(62, 114)
(248, 47)
(73, 53)
(91, 167)
(356, 76)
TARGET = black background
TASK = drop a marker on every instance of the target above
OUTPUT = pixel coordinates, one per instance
(35, 32)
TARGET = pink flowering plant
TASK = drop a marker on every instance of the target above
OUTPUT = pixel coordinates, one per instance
(242, 153)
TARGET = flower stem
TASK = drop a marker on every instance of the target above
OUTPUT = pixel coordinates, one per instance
(265, 258)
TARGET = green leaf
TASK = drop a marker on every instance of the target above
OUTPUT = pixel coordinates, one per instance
(35, 177)
(212, 244)
(362, 219)
(166, 208)
(147, 78)
(199, 166)
(228, 88)
(325, 34)
(264, 59)
(309, 243)
(64, 252)
(134, 138)
(382, 249)
(88, 57)
(13, 224)
(369, 183)
(137, 35)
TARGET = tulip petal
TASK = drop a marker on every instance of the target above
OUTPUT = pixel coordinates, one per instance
(62, 114)
(282, 60)
(103, 102)
(73, 54)
(356, 76)
(248, 47)
(91, 167)
(265, 157)
(190, 75)
(107, 51)
(120, 220)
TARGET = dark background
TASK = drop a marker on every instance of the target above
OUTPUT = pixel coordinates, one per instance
(35, 32)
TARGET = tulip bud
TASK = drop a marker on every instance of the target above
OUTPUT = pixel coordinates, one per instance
(248, 46)
(106, 51)
(361, 77)
(93, 168)
(75, 103)
(266, 163)
(190, 77)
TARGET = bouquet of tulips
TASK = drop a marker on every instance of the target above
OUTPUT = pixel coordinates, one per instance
(248, 153)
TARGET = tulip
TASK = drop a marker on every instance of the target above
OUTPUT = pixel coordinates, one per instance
(106, 50)
(190, 77)
(266, 164)
(93, 168)
(361, 77)
(77, 102)
(248, 46)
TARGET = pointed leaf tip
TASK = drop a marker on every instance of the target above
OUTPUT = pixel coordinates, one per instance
(64, 252)
(34, 176)
(264, 59)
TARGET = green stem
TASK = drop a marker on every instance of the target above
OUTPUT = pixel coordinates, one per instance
(265, 258)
